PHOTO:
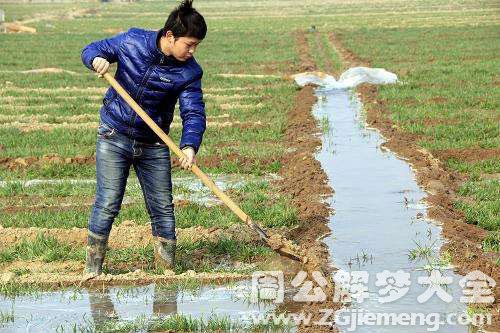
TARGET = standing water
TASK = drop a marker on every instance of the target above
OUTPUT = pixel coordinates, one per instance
(381, 241)
(125, 309)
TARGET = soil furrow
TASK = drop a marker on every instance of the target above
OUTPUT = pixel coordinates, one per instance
(305, 182)
(137, 277)
(211, 161)
(127, 233)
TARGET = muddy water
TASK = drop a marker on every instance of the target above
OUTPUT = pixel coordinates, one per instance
(379, 217)
(85, 310)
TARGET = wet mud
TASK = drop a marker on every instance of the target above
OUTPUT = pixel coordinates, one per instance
(305, 182)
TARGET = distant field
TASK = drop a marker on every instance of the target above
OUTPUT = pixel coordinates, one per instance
(450, 97)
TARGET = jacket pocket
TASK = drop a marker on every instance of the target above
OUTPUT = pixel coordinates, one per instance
(109, 99)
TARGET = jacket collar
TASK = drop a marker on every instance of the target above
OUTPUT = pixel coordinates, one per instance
(153, 41)
(159, 56)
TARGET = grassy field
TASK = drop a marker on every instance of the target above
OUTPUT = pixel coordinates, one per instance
(445, 52)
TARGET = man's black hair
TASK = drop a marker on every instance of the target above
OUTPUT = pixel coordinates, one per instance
(185, 21)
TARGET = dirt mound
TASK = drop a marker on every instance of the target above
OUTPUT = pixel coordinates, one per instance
(49, 70)
(231, 106)
(66, 15)
(468, 154)
(257, 76)
(13, 163)
(18, 28)
(48, 127)
(305, 182)
(127, 233)
(37, 267)
(211, 161)
(306, 62)
(113, 30)
(69, 272)
(36, 125)
(137, 277)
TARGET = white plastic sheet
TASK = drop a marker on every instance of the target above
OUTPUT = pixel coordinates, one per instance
(349, 79)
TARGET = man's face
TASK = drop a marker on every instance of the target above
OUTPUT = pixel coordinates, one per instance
(183, 48)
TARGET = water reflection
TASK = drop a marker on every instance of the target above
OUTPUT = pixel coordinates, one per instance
(98, 310)
(103, 309)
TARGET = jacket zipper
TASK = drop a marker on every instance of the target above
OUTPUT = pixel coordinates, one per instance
(138, 96)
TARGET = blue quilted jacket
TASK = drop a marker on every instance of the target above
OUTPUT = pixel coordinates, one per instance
(155, 81)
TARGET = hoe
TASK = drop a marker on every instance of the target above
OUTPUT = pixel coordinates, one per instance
(277, 242)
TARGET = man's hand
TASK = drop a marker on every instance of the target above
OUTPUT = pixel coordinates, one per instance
(187, 162)
(100, 65)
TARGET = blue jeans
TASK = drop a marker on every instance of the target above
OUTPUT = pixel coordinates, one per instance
(115, 153)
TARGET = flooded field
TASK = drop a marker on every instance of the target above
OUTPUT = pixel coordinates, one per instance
(136, 308)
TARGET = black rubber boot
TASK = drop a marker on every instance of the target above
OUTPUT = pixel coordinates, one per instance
(96, 250)
(164, 253)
